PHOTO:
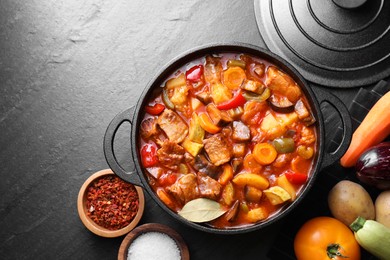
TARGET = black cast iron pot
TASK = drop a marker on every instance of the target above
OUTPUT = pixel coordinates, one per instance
(134, 116)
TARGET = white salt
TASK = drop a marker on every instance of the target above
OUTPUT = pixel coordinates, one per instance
(153, 245)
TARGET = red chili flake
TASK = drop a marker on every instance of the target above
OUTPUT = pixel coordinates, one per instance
(111, 202)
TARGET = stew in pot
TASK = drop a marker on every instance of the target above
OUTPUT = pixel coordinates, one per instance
(233, 129)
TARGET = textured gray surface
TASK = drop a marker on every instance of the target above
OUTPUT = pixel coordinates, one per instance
(66, 69)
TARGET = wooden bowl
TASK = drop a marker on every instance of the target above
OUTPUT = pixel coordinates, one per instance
(90, 224)
(153, 227)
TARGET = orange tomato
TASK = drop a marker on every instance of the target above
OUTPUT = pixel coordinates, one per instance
(325, 238)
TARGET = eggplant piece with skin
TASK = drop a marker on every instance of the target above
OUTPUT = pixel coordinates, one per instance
(236, 113)
(232, 213)
(219, 118)
(255, 70)
(373, 166)
(203, 165)
(248, 95)
(304, 113)
(204, 97)
(237, 163)
(280, 104)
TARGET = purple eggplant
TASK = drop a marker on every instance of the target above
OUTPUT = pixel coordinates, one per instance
(373, 166)
(281, 105)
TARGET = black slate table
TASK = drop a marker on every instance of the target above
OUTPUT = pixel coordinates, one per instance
(66, 69)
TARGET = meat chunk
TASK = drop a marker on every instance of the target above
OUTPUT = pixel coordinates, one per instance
(254, 112)
(203, 165)
(171, 154)
(218, 148)
(188, 158)
(241, 132)
(185, 189)
(307, 136)
(255, 69)
(283, 84)
(253, 86)
(303, 113)
(208, 187)
(213, 69)
(220, 93)
(149, 128)
(239, 150)
(173, 126)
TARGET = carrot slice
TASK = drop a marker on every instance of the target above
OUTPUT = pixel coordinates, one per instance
(206, 123)
(264, 153)
(373, 129)
(233, 77)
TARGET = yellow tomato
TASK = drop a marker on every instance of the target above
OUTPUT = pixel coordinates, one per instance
(325, 238)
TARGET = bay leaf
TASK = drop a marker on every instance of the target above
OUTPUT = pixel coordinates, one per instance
(201, 210)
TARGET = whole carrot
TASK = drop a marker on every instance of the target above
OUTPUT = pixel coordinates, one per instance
(374, 128)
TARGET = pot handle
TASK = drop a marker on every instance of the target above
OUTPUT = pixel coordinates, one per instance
(342, 110)
(108, 147)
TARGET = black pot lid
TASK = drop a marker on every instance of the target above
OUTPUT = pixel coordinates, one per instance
(329, 45)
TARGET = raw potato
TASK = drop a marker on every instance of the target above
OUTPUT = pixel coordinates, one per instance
(347, 200)
(382, 208)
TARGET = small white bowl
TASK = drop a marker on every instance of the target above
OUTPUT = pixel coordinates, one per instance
(153, 227)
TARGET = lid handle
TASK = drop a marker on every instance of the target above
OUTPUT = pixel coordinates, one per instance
(349, 4)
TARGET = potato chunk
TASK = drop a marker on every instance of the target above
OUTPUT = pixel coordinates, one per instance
(192, 147)
(176, 82)
(220, 93)
(257, 214)
(195, 132)
(272, 127)
(180, 95)
(228, 194)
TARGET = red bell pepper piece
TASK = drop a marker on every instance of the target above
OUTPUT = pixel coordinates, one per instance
(149, 155)
(237, 100)
(167, 179)
(155, 110)
(295, 177)
(195, 73)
